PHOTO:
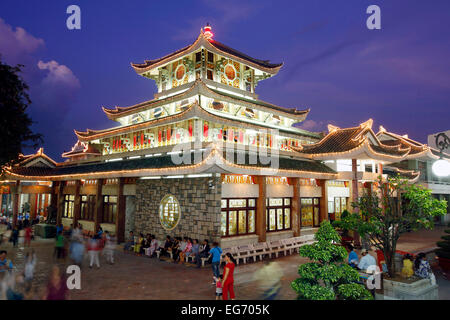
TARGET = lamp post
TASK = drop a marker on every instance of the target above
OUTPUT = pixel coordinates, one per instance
(441, 167)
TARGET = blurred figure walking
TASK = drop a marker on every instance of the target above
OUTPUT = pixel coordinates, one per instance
(93, 252)
(110, 246)
(57, 287)
(269, 279)
(28, 272)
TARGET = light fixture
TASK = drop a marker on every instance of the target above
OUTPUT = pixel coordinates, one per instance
(200, 175)
(441, 167)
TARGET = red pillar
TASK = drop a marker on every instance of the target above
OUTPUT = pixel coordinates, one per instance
(355, 194)
(16, 196)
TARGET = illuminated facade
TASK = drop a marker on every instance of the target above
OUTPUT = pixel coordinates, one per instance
(207, 159)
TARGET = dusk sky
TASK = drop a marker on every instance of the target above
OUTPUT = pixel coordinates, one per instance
(346, 74)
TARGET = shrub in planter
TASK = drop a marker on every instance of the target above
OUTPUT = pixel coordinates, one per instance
(327, 276)
(444, 251)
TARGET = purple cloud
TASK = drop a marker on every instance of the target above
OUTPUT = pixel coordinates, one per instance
(53, 86)
(16, 44)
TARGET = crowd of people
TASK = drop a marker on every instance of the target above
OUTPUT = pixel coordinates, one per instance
(419, 267)
(71, 243)
(178, 248)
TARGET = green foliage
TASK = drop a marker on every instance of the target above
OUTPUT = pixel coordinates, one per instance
(383, 216)
(354, 291)
(14, 121)
(327, 277)
(444, 246)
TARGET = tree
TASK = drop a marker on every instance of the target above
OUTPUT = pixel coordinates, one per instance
(15, 132)
(393, 208)
(327, 277)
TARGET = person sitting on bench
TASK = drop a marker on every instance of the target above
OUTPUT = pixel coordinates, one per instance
(167, 246)
(129, 243)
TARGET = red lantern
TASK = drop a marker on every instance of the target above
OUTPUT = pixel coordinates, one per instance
(134, 141)
(190, 128)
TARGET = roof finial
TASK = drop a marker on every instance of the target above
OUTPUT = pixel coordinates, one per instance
(207, 31)
(332, 128)
(368, 124)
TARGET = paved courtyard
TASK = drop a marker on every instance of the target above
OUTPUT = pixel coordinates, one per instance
(138, 277)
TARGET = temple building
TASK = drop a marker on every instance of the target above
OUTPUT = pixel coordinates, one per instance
(206, 158)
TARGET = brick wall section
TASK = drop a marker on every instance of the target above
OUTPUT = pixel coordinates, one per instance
(200, 207)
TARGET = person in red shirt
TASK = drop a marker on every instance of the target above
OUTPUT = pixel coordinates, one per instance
(228, 280)
(28, 235)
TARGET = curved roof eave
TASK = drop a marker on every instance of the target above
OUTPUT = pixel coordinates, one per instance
(141, 68)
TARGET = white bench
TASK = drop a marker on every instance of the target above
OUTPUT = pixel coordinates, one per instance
(276, 247)
(231, 250)
(289, 245)
(244, 252)
(204, 259)
(260, 249)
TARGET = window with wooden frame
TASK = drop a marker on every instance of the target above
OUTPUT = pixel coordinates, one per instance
(310, 212)
(87, 207)
(340, 204)
(278, 214)
(238, 217)
(109, 209)
(69, 204)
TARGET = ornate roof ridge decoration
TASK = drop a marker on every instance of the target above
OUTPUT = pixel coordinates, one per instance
(417, 149)
(90, 134)
(194, 110)
(201, 87)
(155, 166)
(81, 148)
(411, 175)
(351, 142)
(123, 111)
(212, 45)
(39, 154)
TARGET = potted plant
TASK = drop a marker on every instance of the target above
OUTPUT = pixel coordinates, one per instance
(443, 253)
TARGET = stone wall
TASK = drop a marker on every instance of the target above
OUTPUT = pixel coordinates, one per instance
(199, 203)
(130, 209)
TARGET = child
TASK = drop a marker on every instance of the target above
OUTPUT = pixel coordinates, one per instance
(59, 245)
(109, 248)
(218, 287)
(93, 252)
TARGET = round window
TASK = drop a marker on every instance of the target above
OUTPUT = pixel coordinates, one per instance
(169, 212)
(230, 72)
(180, 72)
